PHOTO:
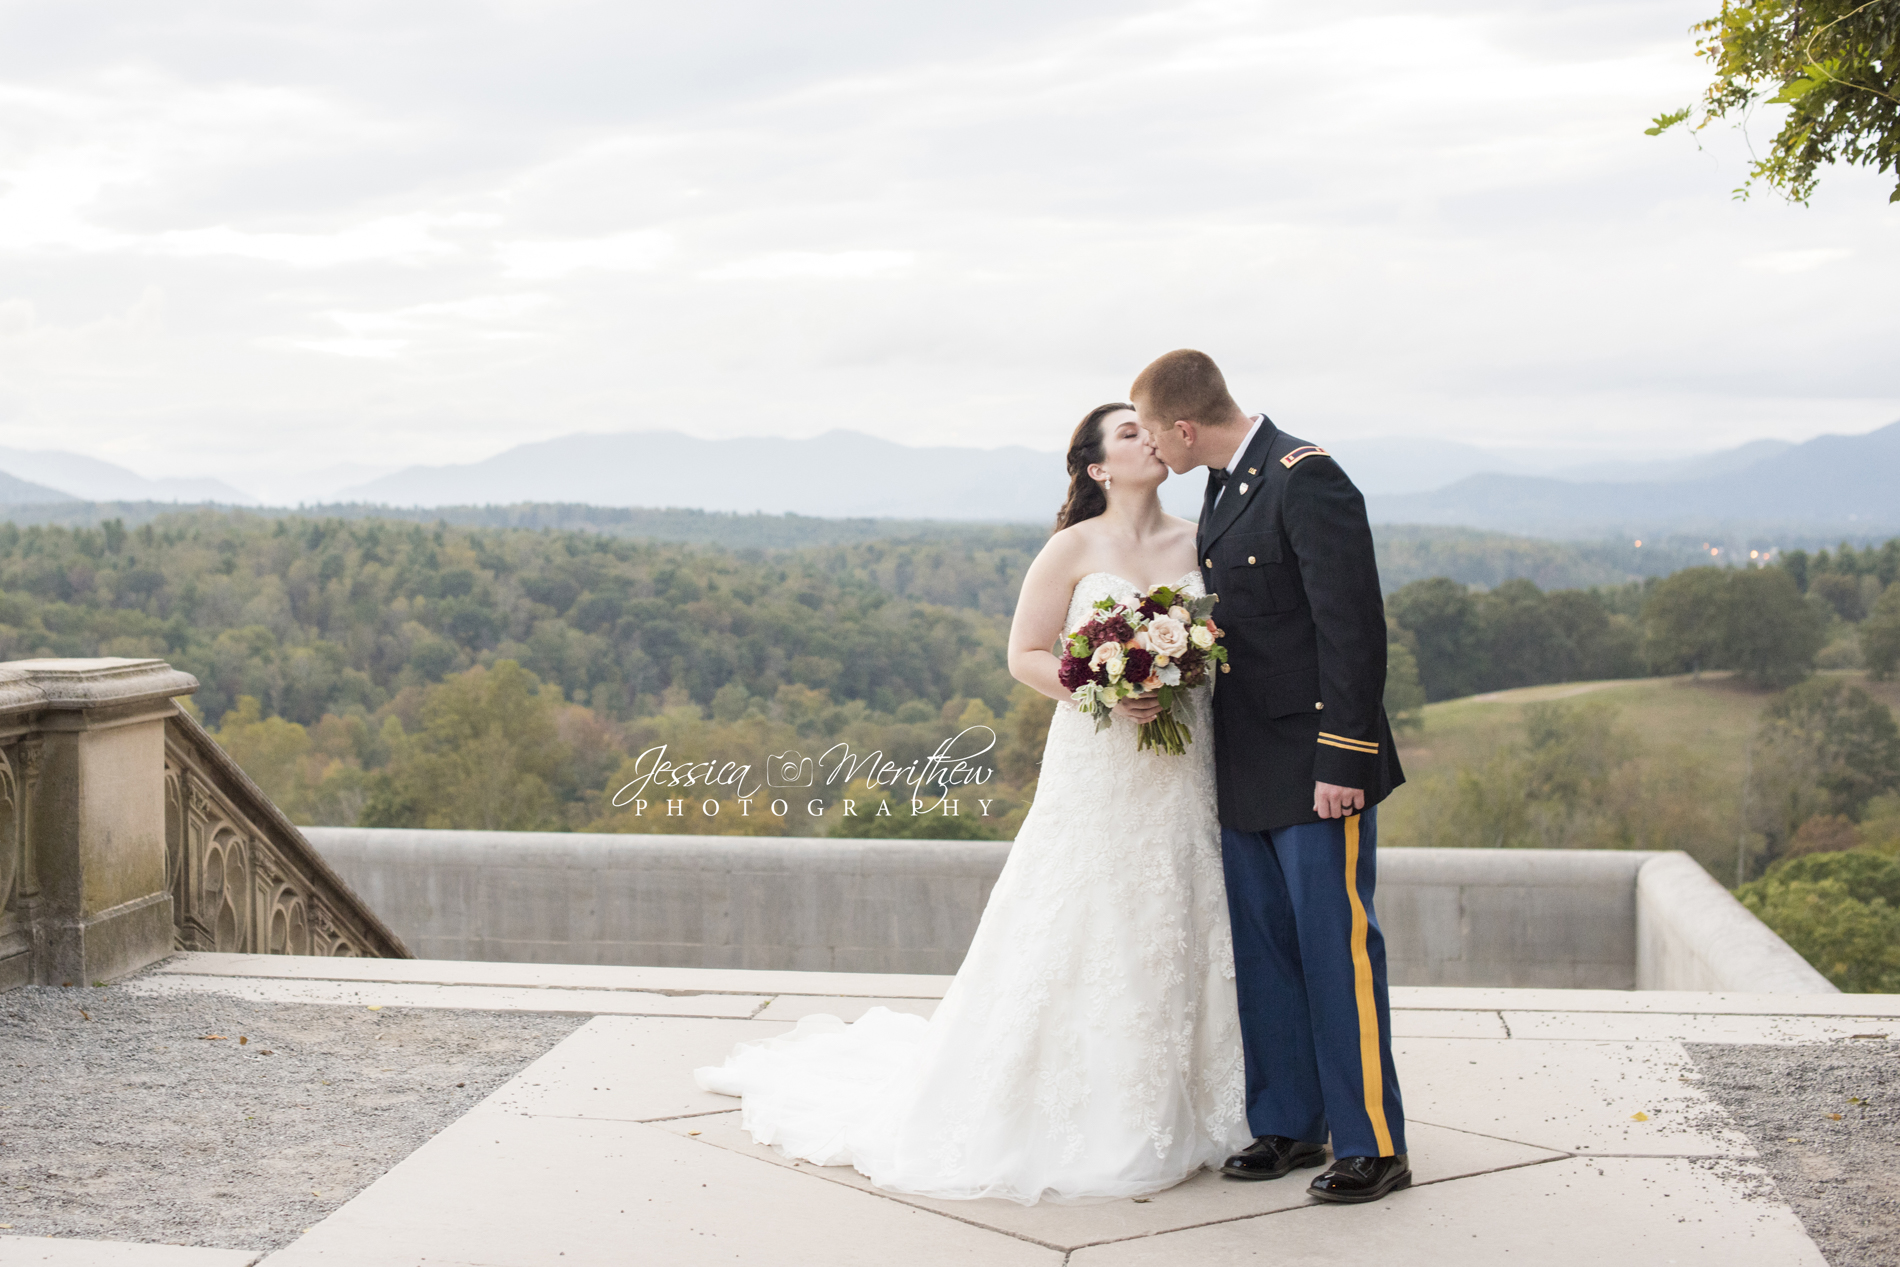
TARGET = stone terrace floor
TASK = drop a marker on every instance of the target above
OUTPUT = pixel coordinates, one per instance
(1547, 1126)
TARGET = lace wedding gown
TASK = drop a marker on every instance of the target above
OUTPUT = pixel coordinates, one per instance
(1089, 1047)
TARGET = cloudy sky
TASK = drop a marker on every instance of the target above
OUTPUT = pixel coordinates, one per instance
(253, 240)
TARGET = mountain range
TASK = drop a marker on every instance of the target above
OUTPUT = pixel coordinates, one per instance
(1831, 484)
(1844, 484)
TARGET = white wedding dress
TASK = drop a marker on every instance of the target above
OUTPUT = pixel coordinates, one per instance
(1089, 1047)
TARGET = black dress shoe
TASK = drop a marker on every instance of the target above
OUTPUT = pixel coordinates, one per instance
(1350, 1180)
(1272, 1156)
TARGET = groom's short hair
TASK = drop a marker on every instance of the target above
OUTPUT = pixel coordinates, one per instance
(1184, 384)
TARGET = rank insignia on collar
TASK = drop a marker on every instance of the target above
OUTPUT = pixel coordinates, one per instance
(1252, 471)
(1302, 453)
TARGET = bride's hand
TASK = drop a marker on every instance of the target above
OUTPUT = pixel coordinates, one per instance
(1138, 709)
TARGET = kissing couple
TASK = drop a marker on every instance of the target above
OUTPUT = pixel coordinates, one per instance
(1180, 966)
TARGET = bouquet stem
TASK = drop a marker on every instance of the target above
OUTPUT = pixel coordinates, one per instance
(1163, 734)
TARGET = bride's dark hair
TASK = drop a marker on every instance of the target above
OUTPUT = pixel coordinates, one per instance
(1086, 498)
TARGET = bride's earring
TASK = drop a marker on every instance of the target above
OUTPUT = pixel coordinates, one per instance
(1108, 484)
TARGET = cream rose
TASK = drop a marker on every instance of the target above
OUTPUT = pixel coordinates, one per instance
(1200, 637)
(1104, 653)
(1168, 636)
(1180, 614)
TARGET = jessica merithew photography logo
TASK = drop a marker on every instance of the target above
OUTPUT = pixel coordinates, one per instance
(944, 782)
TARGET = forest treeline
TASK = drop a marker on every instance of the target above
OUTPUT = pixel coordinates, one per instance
(366, 636)
(1775, 624)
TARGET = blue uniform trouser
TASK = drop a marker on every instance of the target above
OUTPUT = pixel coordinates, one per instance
(1309, 964)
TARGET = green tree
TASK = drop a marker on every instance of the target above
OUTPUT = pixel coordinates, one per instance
(1824, 747)
(1769, 632)
(1442, 616)
(1880, 635)
(1404, 697)
(1834, 63)
(1840, 912)
(488, 756)
(1683, 621)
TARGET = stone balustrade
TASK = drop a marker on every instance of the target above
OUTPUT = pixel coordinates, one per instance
(126, 833)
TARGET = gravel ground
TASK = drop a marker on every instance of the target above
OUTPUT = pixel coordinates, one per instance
(1826, 1120)
(121, 1118)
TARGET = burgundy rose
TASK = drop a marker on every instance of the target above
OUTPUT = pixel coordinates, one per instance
(1149, 607)
(1139, 665)
(1117, 629)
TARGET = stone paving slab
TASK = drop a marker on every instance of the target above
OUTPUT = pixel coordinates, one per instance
(556, 975)
(1447, 1024)
(501, 1190)
(1584, 1212)
(1688, 1028)
(1686, 1002)
(1572, 1097)
(792, 1007)
(481, 998)
(1524, 1130)
(1437, 1155)
(45, 1251)
(630, 1069)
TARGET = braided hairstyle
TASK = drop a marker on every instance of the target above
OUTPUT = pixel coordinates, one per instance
(1086, 498)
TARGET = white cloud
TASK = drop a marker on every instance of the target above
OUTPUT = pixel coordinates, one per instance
(636, 251)
(1796, 261)
(814, 264)
(1415, 217)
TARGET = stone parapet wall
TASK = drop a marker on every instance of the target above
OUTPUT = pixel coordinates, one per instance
(1455, 917)
(672, 901)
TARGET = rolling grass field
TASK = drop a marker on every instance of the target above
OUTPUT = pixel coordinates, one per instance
(1708, 722)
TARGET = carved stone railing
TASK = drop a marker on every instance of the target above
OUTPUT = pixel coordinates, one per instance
(242, 877)
(127, 833)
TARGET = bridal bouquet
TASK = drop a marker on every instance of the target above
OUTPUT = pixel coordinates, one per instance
(1164, 645)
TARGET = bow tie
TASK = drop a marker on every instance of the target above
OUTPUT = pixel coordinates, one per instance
(1217, 477)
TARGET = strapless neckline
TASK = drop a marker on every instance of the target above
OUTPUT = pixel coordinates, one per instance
(1190, 574)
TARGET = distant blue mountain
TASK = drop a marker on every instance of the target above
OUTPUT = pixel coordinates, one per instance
(15, 491)
(1846, 484)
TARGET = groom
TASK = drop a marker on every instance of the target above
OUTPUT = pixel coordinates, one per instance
(1303, 754)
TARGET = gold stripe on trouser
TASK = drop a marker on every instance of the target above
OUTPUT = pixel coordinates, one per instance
(1371, 1067)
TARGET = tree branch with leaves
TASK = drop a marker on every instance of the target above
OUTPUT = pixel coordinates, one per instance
(1834, 63)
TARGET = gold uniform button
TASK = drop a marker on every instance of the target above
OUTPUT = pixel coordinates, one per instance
(1207, 562)
(1316, 704)
(1250, 558)
(1226, 668)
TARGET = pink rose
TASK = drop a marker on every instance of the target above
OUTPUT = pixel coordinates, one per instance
(1167, 636)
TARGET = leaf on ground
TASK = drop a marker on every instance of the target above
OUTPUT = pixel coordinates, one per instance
(211, 1037)
(1639, 1117)
(1833, 1117)
(375, 1007)
(243, 1039)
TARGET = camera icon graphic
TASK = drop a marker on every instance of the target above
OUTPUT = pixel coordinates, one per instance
(788, 769)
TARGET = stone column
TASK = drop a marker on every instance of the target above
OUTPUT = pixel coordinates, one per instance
(83, 743)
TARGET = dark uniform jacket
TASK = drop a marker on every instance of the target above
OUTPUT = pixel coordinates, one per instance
(1289, 551)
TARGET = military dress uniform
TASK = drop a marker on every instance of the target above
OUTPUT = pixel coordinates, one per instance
(1285, 543)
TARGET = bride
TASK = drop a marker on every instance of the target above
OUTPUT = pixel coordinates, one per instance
(1089, 1047)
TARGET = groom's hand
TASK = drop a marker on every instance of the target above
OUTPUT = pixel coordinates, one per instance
(1332, 801)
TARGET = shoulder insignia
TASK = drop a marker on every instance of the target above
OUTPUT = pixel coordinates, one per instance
(1301, 454)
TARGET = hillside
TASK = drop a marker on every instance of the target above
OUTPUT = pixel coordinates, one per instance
(1680, 789)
